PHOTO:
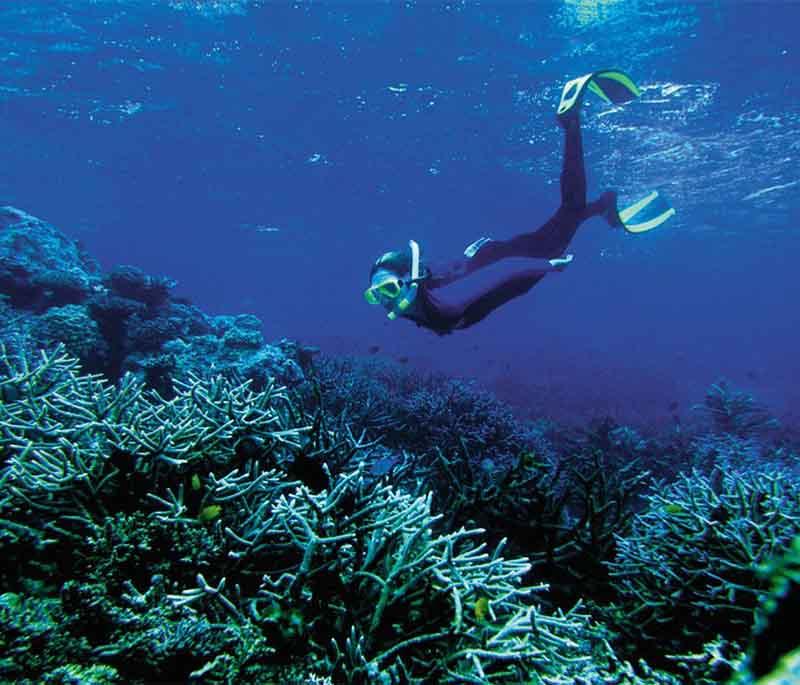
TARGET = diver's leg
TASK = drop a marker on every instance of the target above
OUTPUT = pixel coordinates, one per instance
(605, 206)
(551, 239)
(486, 302)
(573, 171)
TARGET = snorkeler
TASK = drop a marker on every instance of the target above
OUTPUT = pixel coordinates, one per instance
(405, 287)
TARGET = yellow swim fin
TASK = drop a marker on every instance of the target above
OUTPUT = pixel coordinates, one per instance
(611, 85)
(645, 214)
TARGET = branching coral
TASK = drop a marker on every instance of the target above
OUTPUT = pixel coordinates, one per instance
(689, 568)
(357, 576)
(419, 412)
(357, 581)
(339, 571)
(563, 513)
(258, 519)
(736, 412)
(75, 445)
(53, 425)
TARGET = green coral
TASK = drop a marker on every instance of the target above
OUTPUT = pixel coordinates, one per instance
(364, 565)
(689, 568)
(774, 654)
(342, 574)
(75, 674)
(786, 672)
(230, 534)
(35, 636)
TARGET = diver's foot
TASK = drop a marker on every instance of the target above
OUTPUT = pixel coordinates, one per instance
(561, 263)
(611, 213)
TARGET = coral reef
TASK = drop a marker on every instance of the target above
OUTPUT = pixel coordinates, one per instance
(181, 502)
(559, 500)
(773, 647)
(125, 321)
(39, 266)
(114, 488)
(689, 568)
(735, 411)
(388, 400)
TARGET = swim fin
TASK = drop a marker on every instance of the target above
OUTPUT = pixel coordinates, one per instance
(645, 214)
(611, 85)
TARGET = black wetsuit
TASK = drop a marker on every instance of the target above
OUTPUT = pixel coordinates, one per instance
(547, 242)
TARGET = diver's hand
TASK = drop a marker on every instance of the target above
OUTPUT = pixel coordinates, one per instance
(561, 263)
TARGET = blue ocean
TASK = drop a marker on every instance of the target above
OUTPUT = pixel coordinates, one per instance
(235, 448)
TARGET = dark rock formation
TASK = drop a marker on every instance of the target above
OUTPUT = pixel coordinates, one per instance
(126, 321)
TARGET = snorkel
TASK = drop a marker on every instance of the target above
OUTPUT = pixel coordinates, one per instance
(409, 292)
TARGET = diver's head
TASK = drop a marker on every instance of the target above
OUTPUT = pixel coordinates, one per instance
(393, 280)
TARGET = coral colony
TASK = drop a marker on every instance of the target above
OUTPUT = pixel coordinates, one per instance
(182, 503)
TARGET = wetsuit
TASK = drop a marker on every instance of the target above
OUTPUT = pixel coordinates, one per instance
(443, 315)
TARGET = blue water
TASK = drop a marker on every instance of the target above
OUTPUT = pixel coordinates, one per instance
(264, 154)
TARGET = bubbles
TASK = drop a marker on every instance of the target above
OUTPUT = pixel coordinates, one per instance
(212, 8)
(260, 228)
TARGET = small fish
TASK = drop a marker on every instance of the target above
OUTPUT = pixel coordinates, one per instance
(673, 406)
(374, 349)
(403, 360)
(196, 484)
(481, 609)
(209, 513)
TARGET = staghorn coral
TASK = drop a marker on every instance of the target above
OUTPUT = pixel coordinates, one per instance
(76, 449)
(689, 568)
(52, 421)
(736, 412)
(418, 412)
(87, 471)
(361, 568)
(249, 573)
(559, 500)
(563, 512)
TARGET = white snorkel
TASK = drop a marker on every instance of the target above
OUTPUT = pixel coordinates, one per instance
(407, 298)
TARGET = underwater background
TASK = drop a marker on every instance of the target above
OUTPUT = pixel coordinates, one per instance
(219, 465)
(263, 154)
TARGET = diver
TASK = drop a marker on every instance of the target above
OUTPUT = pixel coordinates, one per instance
(405, 287)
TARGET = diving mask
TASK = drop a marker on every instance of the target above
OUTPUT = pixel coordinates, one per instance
(385, 286)
(393, 292)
